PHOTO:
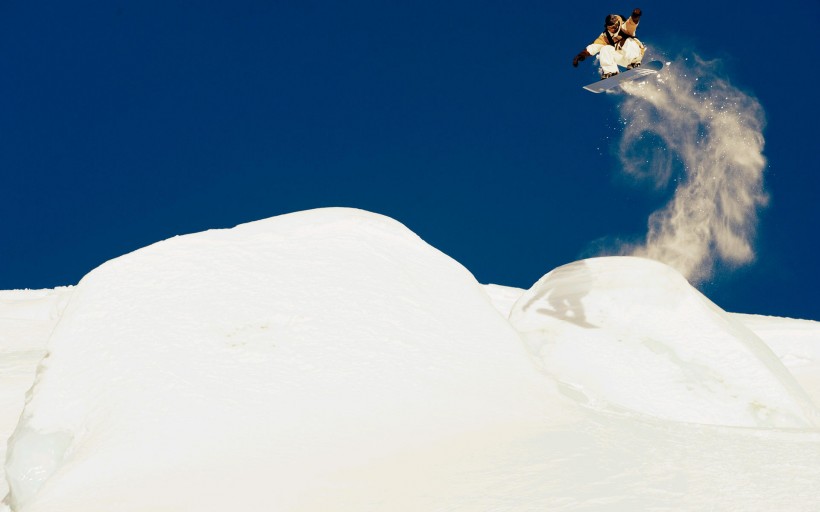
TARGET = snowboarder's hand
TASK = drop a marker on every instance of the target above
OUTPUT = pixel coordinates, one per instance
(636, 14)
(578, 58)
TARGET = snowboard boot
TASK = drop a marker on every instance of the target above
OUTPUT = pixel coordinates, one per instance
(604, 76)
(634, 65)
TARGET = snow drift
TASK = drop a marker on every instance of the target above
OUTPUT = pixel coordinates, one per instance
(632, 334)
(256, 368)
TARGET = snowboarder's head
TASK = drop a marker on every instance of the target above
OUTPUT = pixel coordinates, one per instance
(612, 23)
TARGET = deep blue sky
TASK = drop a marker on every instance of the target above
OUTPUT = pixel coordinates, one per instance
(125, 123)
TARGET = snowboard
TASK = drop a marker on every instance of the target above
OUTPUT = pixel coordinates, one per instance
(650, 68)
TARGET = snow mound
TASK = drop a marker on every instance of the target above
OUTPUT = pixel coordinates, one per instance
(631, 334)
(258, 368)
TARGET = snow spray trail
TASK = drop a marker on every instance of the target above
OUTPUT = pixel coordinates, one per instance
(711, 144)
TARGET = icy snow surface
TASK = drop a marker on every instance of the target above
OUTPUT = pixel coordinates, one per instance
(332, 360)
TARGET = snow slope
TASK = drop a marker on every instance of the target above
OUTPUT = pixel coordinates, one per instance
(796, 343)
(332, 360)
(27, 318)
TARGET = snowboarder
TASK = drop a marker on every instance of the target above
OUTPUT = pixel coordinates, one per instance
(617, 45)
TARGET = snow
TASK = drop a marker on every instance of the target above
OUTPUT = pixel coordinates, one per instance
(332, 360)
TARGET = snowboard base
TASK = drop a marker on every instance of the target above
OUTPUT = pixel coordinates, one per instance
(650, 68)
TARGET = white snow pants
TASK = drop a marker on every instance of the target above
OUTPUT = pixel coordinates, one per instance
(610, 58)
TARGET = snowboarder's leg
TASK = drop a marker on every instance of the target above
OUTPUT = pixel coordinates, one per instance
(607, 58)
(631, 53)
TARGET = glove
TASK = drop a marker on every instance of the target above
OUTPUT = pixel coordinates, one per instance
(578, 58)
(636, 14)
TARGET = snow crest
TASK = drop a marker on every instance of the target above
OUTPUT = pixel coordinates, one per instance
(631, 334)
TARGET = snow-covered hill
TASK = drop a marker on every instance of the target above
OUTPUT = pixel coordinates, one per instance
(332, 360)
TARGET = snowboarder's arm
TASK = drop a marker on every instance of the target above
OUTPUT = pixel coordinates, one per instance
(578, 58)
(596, 45)
(631, 23)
